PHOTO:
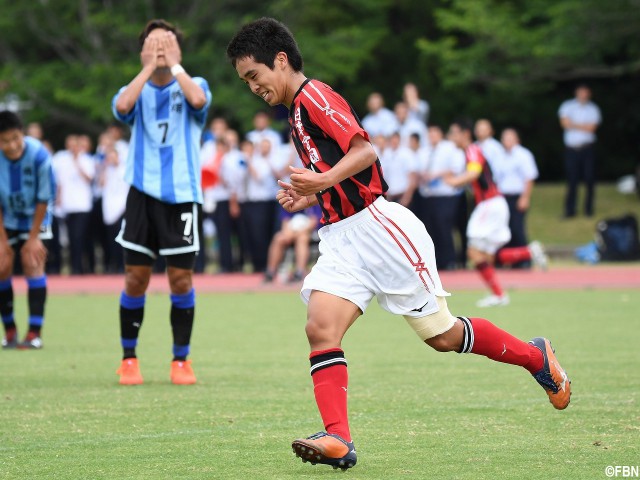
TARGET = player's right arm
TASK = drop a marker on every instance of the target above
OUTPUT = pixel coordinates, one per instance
(129, 96)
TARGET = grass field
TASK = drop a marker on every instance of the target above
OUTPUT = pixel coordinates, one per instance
(415, 413)
(544, 220)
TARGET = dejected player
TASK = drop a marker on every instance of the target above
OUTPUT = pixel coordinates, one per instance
(27, 192)
(369, 246)
(167, 110)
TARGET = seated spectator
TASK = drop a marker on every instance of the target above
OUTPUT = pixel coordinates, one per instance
(297, 230)
(379, 120)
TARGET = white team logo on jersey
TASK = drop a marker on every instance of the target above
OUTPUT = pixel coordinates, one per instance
(305, 139)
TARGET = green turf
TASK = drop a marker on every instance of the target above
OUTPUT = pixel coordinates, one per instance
(544, 219)
(415, 413)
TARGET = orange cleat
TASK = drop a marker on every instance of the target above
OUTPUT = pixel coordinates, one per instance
(182, 373)
(552, 377)
(129, 372)
(327, 449)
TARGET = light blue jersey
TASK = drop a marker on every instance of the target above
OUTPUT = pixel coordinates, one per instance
(164, 158)
(23, 184)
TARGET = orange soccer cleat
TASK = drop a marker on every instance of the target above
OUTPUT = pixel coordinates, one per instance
(327, 449)
(129, 372)
(182, 373)
(552, 377)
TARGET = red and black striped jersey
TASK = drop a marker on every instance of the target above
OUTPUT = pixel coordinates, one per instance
(322, 125)
(484, 187)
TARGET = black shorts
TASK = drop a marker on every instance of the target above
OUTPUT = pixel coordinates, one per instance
(18, 237)
(152, 227)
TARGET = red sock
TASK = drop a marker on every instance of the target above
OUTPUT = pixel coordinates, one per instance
(330, 381)
(488, 274)
(483, 338)
(509, 256)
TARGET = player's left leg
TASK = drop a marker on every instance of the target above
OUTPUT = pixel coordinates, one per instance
(180, 273)
(481, 337)
(33, 268)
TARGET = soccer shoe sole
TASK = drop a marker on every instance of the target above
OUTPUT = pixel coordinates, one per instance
(314, 453)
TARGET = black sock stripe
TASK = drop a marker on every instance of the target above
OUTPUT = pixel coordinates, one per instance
(326, 360)
(467, 340)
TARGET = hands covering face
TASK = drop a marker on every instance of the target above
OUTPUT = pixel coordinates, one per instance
(160, 50)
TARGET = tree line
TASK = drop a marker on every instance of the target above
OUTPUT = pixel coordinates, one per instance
(512, 61)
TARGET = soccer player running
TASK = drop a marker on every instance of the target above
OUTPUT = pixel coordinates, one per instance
(167, 110)
(488, 227)
(27, 192)
(369, 246)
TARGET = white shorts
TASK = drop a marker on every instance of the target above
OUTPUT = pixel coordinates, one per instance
(382, 251)
(488, 227)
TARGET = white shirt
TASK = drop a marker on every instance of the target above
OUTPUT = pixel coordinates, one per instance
(114, 192)
(516, 168)
(256, 136)
(76, 193)
(579, 113)
(397, 165)
(383, 122)
(422, 112)
(411, 125)
(263, 186)
(445, 156)
(492, 150)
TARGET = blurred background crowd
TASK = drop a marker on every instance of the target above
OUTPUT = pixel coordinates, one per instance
(244, 228)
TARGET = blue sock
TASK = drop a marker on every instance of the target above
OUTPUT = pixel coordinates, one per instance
(131, 315)
(37, 296)
(6, 303)
(182, 314)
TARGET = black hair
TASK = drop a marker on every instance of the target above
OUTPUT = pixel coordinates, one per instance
(263, 39)
(464, 124)
(415, 136)
(160, 23)
(9, 121)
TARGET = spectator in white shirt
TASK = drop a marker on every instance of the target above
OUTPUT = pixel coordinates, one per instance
(74, 171)
(262, 130)
(408, 125)
(580, 118)
(400, 169)
(379, 120)
(114, 199)
(418, 108)
(491, 148)
(439, 202)
(515, 178)
(259, 207)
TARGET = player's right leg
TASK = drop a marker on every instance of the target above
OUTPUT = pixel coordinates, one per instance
(328, 319)
(132, 300)
(10, 339)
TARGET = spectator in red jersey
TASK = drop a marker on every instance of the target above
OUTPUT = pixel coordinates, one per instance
(369, 246)
(488, 227)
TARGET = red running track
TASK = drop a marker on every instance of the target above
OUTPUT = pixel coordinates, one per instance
(573, 277)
